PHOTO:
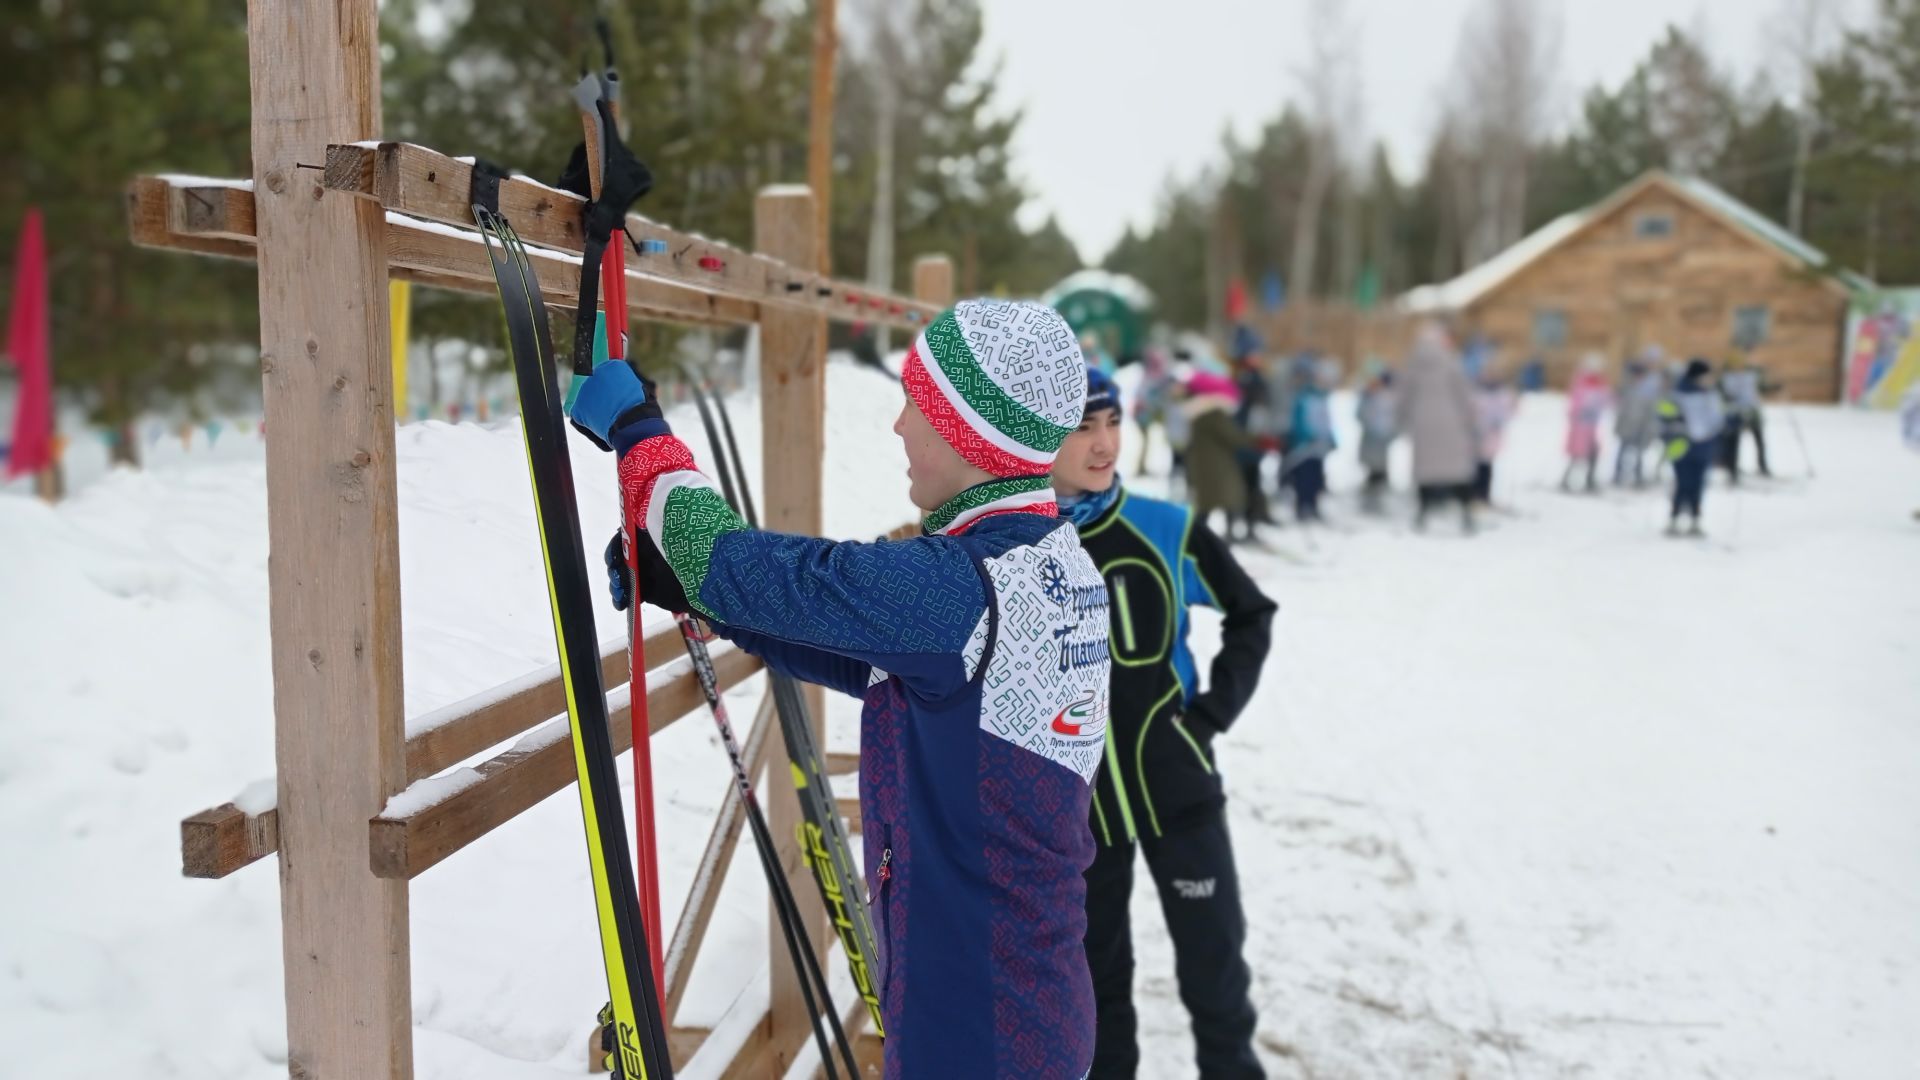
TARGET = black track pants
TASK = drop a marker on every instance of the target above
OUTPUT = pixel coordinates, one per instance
(1200, 896)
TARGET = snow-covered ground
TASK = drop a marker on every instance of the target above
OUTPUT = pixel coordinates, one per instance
(1568, 799)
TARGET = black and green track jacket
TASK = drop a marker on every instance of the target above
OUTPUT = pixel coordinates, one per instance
(1159, 774)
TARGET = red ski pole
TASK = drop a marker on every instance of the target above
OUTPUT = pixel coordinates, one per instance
(613, 290)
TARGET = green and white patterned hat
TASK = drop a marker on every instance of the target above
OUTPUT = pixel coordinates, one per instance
(1002, 381)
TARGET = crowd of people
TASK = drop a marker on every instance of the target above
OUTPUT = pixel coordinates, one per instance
(1231, 426)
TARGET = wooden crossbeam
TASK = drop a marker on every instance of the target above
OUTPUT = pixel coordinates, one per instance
(148, 225)
(442, 739)
(155, 221)
(216, 842)
(755, 1058)
(428, 184)
(221, 210)
(220, 840)
(402, 846)
(218, 219)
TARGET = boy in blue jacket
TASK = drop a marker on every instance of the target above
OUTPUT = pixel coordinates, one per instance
(1691, 422)
(980, 651)
(1305, 465)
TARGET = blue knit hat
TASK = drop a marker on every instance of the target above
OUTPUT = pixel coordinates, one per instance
(1101, 391)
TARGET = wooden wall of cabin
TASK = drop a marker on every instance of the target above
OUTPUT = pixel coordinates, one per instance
(1334, 329)
(1621, 290)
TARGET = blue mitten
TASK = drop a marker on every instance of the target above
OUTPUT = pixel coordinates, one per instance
(617, 408)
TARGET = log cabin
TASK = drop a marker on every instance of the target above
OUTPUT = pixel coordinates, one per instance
(1667, 261)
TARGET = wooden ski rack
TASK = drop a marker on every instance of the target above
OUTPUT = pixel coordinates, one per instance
(326, 239)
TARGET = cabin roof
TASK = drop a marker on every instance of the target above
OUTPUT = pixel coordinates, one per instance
(1478, 282)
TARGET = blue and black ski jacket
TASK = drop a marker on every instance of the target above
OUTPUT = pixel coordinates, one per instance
(980, 651)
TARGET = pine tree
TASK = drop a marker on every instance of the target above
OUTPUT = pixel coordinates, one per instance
(954, 188)
(1863, 186)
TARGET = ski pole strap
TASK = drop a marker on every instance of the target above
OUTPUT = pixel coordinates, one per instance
(483, 188)
(624, 178)
(609, 75)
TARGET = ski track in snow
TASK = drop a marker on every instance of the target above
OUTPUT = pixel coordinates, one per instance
(1568, 799)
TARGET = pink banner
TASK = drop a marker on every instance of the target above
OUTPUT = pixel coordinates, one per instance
(29, 346)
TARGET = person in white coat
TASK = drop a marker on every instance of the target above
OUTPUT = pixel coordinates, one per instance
(1436, 411)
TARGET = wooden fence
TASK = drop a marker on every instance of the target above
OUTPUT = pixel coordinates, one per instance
(329, 214)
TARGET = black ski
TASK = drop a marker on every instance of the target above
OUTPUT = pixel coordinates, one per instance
(639, 1050)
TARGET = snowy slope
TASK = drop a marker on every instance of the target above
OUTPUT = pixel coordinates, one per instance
(1566, 800)
(1572, 799)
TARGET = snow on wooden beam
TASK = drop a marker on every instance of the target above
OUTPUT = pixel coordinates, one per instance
(216, 842)
(444, 738)
(425, 183)
(435, 818)
(221, 224)
(215, 218)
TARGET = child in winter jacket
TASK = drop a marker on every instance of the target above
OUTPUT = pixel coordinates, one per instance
(1305, 465)
(980, 651)
(1587, 401)
(1635, 422)
(1493, 407)
(1214, 448)
(1159, 788)
(1742, 388)
(1379, 426)
(1691, 420)
(1153, 402)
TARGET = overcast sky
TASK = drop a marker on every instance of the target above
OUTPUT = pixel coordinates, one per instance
(1120, 94)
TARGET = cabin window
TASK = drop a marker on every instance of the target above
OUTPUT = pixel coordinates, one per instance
(1751, 322)
(1654, 225)
(1549, 328)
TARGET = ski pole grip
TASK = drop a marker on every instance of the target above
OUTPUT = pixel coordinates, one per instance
(586, 94)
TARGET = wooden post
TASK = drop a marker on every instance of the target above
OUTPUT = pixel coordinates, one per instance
(47, 483)
(933, 280)
(826, 40)
(334, 575)
(793, 422)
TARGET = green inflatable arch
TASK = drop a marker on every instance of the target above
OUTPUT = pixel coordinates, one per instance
(1111, 307)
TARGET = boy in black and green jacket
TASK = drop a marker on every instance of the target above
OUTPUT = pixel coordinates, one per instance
(1159, 784)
